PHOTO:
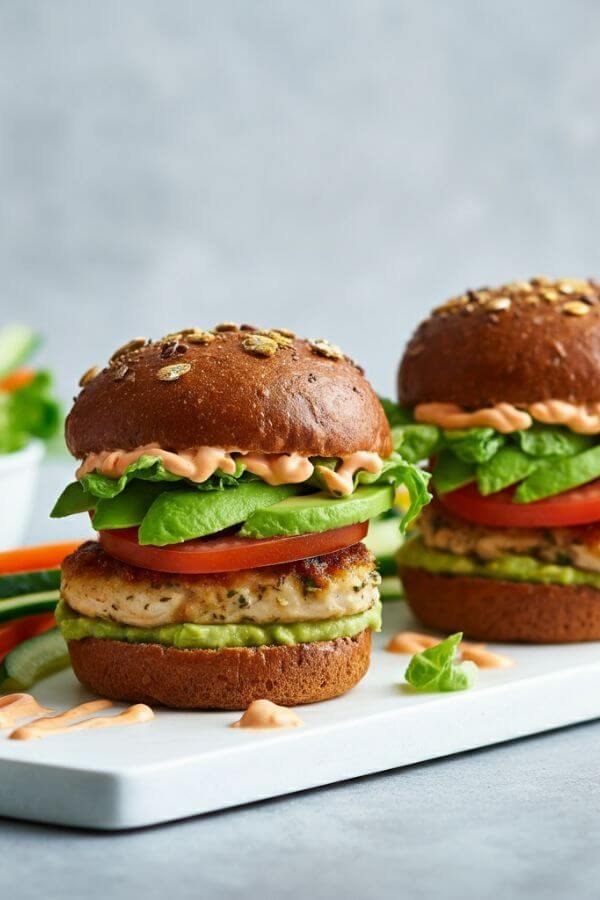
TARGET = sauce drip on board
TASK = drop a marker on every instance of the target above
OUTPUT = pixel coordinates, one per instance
(71, 720)
(415, 642)
(265, 714)
(19, 706)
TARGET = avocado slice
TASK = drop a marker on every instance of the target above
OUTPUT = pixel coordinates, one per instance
(129, 507)
(318, 512)
(555, 476)
(177, 516)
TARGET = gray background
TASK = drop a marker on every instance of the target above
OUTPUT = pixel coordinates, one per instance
(334, 167)
(337, 168)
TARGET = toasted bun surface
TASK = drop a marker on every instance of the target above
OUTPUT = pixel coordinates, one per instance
(305, 397)
(221, 679)
(490, 610)
(520, 343)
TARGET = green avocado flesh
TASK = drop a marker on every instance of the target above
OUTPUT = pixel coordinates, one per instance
(215, 637)
(177, 516)
(318, 512)
(416, 555)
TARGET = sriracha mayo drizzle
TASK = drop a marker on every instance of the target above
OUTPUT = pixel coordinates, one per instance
(581, 419)
(503, 417)
(342, 481)
(200, 463)
(506, 418)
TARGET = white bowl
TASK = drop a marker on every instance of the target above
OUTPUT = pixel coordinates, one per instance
(18, 481)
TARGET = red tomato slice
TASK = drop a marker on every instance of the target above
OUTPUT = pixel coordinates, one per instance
(577, 507)
(228, 553)
(14, 633)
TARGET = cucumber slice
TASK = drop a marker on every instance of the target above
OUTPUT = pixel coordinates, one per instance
(384, 540)
(16, 343)
(391, 589)
(27, 605)
(19, 583)
(33, 660)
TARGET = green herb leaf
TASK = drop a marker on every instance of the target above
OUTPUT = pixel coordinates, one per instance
(437, 669)
(74, 499)
(555, 476)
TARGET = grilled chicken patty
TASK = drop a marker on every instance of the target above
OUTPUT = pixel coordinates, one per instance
(577, 546)
(339, 584)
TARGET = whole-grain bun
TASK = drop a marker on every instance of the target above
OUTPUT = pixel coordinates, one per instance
(220, 679)
(239, 390)
(520, 343)
(490, 610)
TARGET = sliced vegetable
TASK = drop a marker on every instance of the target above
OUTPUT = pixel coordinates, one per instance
(178, 516)
(227, 553)
(16, 380)
(391, 588)
(577, 507)
(29, 582)
(26, 605)
(33, 660)
(509, 466)
(555, 476)
(437, 669)
(30, 559)
(320, 512)
(383, 540)
(22, 629)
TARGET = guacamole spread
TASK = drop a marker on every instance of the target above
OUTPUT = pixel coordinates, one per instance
(415, 554)
(214, 637)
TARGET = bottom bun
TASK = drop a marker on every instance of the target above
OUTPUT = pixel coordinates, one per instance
(221, 679)
(491, 610)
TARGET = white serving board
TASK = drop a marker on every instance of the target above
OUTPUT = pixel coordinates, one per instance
(183, 764)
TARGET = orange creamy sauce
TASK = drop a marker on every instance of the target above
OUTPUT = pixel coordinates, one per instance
(20, 706)
(264, 714)
(199, 463)
(415, 642)
(506, 418)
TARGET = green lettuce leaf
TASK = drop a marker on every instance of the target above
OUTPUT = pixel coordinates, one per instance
(509, 466)
(416, 442)
(451, 473)
(29, 411)
(396, 415)
(552, 440)
(399, 473)
(437, 669)
(474, 445)
(74, 499)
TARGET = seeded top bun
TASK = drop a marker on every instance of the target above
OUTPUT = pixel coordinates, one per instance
(519, 343)
(231, 388)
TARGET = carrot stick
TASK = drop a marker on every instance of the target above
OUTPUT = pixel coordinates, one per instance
(17, 379)
(32, 559)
